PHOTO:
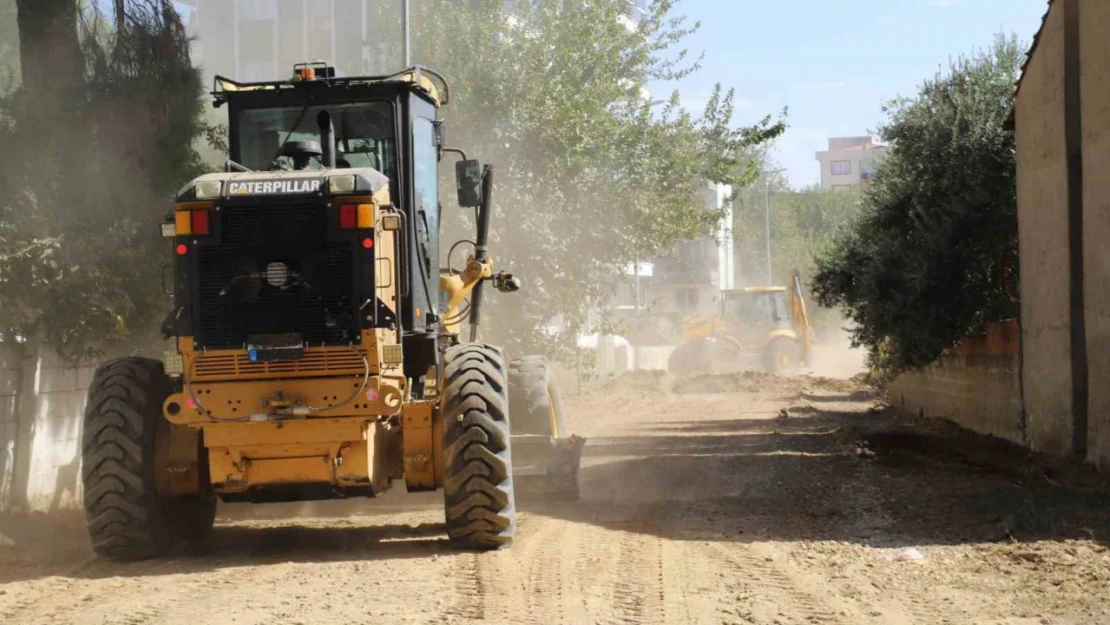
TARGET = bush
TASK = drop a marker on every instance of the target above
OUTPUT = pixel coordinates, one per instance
(933, 256)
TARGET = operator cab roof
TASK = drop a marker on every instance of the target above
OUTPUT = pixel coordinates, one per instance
(319, 76)
(756, 289)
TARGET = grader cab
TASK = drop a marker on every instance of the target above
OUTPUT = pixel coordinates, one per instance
(318, 349)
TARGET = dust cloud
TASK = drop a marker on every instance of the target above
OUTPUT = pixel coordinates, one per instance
(835, 357)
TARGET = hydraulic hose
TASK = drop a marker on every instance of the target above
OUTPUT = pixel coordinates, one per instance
(481, 248)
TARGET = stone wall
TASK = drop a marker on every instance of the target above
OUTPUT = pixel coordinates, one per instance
(977, 386)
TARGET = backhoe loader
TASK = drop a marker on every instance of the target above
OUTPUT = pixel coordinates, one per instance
(765, 326)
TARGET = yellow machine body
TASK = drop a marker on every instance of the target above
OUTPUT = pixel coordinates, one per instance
(747, 322)
(336, 422)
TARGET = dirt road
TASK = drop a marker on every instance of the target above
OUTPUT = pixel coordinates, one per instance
(705, 503)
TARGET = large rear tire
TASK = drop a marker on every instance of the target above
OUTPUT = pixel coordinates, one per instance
(478, 482)
(691, 358)
(127, 520)
(781, 356)
(534, 399)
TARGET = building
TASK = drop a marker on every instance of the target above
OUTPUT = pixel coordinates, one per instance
(849, 161)
(262, 39)
(1061, 117)
(689, 279)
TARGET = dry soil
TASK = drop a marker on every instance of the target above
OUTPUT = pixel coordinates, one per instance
(730, 499)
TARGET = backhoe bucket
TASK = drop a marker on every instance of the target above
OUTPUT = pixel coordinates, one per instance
(545, 467)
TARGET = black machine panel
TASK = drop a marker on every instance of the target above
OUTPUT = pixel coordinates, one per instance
(275, 270)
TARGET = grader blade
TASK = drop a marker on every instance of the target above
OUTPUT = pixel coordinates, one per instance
(545, 467)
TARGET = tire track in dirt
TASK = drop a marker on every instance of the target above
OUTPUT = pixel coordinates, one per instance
(469, 593)
(595, 571)
(688, 590)
(770, 585)
(638, 594)
(57, 593)
(545, 588)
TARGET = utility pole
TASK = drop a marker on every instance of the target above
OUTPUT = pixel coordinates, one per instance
(636, 272)
(767, 218)
(405, 28)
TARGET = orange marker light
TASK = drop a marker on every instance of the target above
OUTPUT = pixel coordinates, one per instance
(365, 216)
(183, 222)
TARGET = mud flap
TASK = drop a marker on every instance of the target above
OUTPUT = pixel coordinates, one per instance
(545, 467)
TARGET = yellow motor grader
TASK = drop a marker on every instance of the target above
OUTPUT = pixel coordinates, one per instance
(318, 349)
(765, 326)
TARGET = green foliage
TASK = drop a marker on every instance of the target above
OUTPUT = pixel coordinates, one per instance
(934, 254)
(80, 207)
(588, 175)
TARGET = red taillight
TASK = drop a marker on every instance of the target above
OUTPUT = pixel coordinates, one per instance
(182, 249)
(200, 222)
(368, 243)
(348, 216)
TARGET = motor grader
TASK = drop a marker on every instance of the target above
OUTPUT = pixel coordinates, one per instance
(763, 326)
(318, 349)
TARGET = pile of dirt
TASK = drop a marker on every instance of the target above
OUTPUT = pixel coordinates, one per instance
(638, 382)
(744, 382)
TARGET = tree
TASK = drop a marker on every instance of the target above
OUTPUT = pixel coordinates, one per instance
(101, 150)
(933, 256)
(9, 46)
(588, 175)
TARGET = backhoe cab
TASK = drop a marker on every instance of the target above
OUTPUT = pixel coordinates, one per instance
(318, 349)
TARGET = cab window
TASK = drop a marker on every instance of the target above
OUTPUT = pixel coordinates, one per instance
(364, 135)
(425, 159)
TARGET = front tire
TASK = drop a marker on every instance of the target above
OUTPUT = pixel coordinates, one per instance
(127, 520)
(477, 485)
(782, 355)
(691, 358)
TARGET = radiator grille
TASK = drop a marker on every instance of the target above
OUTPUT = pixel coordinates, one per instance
(275, 271)
(330, 362)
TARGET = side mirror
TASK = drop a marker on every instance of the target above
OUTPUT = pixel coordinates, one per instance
(468, 180)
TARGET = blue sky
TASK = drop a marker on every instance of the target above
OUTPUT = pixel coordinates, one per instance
(834, 62)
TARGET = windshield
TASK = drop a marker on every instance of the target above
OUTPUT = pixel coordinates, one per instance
(364, 135)
(757, 307)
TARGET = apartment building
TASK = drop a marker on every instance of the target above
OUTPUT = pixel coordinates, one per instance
(849, 161)
(262, 39)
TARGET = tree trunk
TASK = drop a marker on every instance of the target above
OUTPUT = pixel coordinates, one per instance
(50, 56)
(121, 16)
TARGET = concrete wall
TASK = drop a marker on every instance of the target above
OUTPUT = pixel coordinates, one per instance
(978, 386)
(42, 399)
(1043, 232)
(11, 364)
(1094, 62)
(980, 393)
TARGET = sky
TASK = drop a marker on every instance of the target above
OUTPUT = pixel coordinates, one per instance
(833, 63)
